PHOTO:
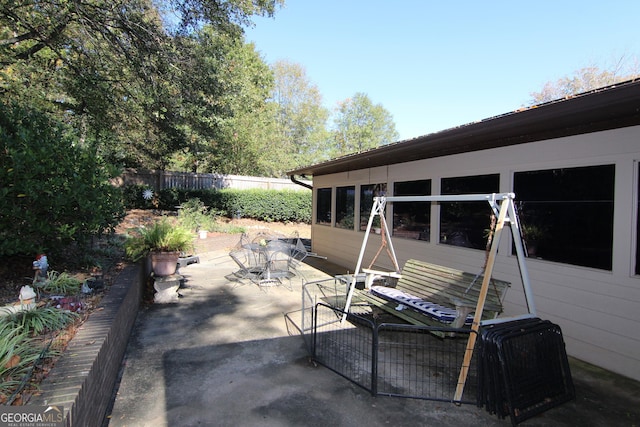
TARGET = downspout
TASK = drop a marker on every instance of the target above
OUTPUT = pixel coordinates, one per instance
(304, 184)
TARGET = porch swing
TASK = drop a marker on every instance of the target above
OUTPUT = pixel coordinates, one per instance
(418, 273)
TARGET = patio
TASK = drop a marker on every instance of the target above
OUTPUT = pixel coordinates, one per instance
(225, 355)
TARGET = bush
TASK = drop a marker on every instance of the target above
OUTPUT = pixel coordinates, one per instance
(264, 205)
(268, 205)
(54, 192)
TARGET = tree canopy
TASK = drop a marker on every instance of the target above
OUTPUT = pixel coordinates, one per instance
(172, 84)
(361, 125)
(584, 80)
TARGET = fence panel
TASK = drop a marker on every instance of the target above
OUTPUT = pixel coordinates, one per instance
(159, 180)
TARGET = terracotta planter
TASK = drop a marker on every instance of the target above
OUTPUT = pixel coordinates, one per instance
(164, 263)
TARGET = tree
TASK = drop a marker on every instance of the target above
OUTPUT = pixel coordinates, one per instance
(224, 89)
(53, 190)
(584, 80)
(300, 118)
(360, 125)
(109, 67)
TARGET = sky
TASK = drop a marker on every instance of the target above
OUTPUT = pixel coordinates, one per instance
(435, 65)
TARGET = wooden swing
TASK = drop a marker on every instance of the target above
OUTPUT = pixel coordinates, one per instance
(503, 207)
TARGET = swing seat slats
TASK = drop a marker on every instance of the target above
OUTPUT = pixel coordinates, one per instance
(431, 294)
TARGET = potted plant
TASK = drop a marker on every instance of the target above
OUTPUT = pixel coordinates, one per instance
(162, 242)
(377, 227)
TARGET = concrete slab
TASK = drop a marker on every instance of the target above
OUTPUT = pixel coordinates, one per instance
(226, 355)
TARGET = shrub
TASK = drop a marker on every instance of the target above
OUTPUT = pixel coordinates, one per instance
(161, 236)
(54, 192)
(61, 284)
(40, 320)
(17, 353)
(266, 205)
(194, 215)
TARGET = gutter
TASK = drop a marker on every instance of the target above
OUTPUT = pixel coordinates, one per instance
(304, 184)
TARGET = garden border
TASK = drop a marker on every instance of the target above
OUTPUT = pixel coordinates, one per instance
(83, 378)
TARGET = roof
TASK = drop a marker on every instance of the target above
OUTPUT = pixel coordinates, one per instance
(606, 108)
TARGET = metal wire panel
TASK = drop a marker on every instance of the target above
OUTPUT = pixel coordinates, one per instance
(346, 348)
(413, 362)
(392, 359)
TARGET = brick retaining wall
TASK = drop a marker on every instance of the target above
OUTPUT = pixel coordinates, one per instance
(83, 379)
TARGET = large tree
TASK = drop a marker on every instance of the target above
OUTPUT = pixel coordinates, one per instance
(111, 67)
(224, 90)
(300, 117)
(360, 125)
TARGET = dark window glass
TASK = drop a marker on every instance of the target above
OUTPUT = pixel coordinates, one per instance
(323, 207)
(567, 214)
(466, 223)
(367, 193)
(345, 202)
(412, 220)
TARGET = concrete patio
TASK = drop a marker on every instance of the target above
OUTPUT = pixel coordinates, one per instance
(226, 355)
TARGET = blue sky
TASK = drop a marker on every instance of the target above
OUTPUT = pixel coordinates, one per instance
(434, 64)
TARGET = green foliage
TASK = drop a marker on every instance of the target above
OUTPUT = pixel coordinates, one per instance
(121, 73)
(17, 353)
(300, 120)
(40, 319)
(360, 125)
(54, 191)
(268, 205)
(161, 236)
(264, 205)
(61, 284)
(194, 215)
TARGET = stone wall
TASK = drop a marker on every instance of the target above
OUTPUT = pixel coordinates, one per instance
(83, 379)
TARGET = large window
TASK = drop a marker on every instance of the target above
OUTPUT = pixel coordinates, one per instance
(345, 201)
(466, 223)
(367, 193)
(412, 220)
(567, 214)
(323, 207)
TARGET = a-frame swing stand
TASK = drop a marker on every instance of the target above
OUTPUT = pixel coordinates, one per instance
(503, 207)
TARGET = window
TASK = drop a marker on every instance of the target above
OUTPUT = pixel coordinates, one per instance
(323, 208)
(345, 201)
(567, 214)
(466, 223)
(367, 193)
(412, 220)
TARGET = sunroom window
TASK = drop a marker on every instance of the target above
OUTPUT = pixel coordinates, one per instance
(323, 206)
(345, 202)
(412, 220)
(466, 223)
(567, 214)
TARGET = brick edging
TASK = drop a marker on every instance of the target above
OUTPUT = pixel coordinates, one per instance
(83, 378)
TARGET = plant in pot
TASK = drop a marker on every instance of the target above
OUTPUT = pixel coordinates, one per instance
(162, 242)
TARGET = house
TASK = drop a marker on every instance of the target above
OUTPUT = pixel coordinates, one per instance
(574, 167)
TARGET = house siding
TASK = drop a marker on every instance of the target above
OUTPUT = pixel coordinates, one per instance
(598, 311)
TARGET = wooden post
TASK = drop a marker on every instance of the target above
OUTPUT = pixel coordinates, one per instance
(475, 326)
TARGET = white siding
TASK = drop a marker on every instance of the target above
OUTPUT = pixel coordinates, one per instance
(598, 311)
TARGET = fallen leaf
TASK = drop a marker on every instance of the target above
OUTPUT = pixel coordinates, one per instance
(13, 362)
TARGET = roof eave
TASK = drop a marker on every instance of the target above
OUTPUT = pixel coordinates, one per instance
(613, 107)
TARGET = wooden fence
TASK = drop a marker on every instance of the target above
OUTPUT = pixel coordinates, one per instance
(159, 180)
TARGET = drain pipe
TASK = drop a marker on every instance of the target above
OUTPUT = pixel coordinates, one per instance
(304, 184)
